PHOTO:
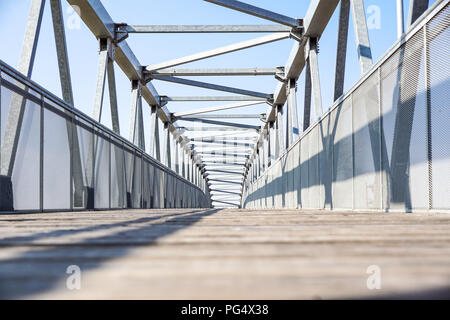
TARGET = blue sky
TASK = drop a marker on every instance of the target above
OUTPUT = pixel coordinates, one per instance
(151, 49)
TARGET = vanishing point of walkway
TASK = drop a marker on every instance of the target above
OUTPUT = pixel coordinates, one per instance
(209, 254)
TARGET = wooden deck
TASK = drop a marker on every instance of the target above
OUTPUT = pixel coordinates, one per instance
(222, 254)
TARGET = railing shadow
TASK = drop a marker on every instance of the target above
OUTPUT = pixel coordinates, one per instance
(14, 270)
(380, 164)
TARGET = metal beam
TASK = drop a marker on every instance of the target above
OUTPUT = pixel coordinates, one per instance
(218, 72)
(220, 139)
(227, 143)
(226, 160)
(307, 97)
(218, 108)
(227, 203)
(316, 19)
(362, 35)
(242, 130)
(226, 171)
(416, 9)
(219, 51)
(216, 149)
(219, 194)
(17, 106)
(97, 19)
(101, 77)
(155, 149)
(225, 176)
(223, 196)
(400, 19)
(67, 93)
(61, 50)
(272, 143)
(280, 146)
(211, 86)
(258, 12)
(224, 163)
(211, 98)
(225, 191)
(224, 182)
(341, 51)
(223, 153)
(202, 28)
(167, 153)
(225, 116)
(136, 131)
(218, 181)
(266, 152)
(292, 117)
(224, 146)
(222, 123)
(222, 167)
(224, 188)
(113, 96)
(225, 136)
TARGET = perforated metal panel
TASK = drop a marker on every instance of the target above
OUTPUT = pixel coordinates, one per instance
(289, 167)
(404, 119)
(387, 145)
(325, 163)
(278, 188)
(296, 172)
(367, 142)
(438, 37)
(304, 172)
(341, 122)
(25, 175)
(101, 171)
(313, 169)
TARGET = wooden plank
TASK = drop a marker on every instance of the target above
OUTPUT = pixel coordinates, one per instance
(223, 254)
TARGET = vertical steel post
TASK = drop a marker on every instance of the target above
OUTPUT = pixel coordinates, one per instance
(67, 93)
(315, 79)
(280, 145)
(112, 89)
(416, 9)
(166, 158)
(17, 106)
(136, 118)
(294, 132)
(307, 103)
(341, 52)
(272, 144)
(101, 77)
(266, 151)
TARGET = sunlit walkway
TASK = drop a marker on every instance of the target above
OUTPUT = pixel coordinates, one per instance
(213, 254)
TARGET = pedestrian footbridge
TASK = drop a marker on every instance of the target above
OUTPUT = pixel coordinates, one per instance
(202, 204)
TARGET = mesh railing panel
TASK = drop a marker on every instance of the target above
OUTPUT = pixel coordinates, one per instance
(386, 146)
(64, 160)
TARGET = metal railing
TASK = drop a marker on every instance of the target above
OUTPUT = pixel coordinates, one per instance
(385, 145)
(64, 160)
